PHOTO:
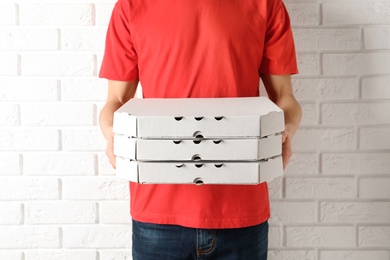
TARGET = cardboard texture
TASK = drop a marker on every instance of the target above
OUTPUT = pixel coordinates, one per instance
(208, 117)
(199, 140)
(205, 149)
(247, 173)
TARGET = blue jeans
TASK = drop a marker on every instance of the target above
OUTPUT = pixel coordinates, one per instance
(168, 242)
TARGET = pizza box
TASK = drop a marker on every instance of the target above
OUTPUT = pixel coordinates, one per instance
(251, 149)
(199, 172)
(176, 118)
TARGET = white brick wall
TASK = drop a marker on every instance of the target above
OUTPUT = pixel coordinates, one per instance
(59, 199)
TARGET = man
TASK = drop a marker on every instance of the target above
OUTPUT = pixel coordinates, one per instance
(193, 49)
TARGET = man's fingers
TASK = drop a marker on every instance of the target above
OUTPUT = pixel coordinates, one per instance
(286, 151)
(110, 153)
(284, 137)
(111, 158)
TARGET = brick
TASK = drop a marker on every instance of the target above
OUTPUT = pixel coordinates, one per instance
(327, 39)
(291, 255)
(375, 12)
(374, 236)
(275, 188)
(9, 115)
(58, 164)
(293, 212)
(324, 138)
(83, 39)
(355, 212)
(11, 213)
(359, 163)
(29, 139)
(308, 64)
(304, 13)
(37, 39)
(354, 255)
(10, 164)
(326, 88)
(95, 188)
(99, 58)
(377, 38)
(376, 88)
(56, 14)
(28, 89)
(274, 237)
(320, 188)
(105, 167)
(56, 64)
(355, 113)
(97, 236)
(374, 188)
(309, 114)
(60, 255)
(114, 212)
(321, 236)
(10, 255)
(9, 64)
(138, 92)
(29, 237)
(83, 140)
(356, 63)
(59, 114)
(303, 163)
(60, 212)
(23, 188)
(374, 138)
(115, 254)
(8, 14)
(84, 89)
(103, 13)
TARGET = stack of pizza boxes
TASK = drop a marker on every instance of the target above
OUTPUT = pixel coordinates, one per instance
(199, 140)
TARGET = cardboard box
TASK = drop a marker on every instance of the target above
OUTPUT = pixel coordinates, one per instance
(199, 117)
(199, 172)
(199, 140)
(250, 149)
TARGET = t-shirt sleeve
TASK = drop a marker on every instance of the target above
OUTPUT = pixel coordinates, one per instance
(279, 51)
(120, 61)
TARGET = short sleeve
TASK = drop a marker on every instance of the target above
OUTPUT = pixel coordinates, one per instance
(120, 61)
(279, 51)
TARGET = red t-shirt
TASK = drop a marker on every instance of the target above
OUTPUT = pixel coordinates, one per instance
(200, 48)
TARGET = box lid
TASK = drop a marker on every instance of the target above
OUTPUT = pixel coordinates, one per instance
(206, 117)
(199, 173)
(249, 149)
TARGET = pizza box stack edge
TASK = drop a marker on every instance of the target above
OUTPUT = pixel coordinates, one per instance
(198, 140)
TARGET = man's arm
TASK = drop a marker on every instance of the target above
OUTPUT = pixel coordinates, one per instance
(119, 92)
(279, 89)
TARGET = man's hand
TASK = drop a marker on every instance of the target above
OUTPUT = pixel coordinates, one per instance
(119, 92)
(110, 151)
(286, 148)
(279, 89)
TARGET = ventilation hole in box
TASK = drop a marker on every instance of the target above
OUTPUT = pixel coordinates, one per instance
(197, 141)
(217, 141)
(198, 118)
(196, 158)
(198, 134)
(178, 118)
(218, 118)
(219, 165)
(198, 165)
(176, 141)
(198, 181)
